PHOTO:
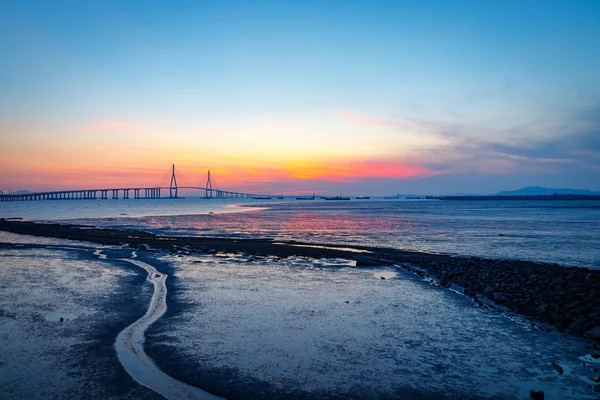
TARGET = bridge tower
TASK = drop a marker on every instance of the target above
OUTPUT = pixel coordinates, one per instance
(173, 185)
(209, 188)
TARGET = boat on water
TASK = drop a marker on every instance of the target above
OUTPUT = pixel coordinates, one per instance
(413, 197)
(396, 197)
(306, 197)
(340, 197)
(362, 197)
(280, 197)
(261, 197)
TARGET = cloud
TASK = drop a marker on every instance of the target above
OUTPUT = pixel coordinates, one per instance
(560, 143)
(111, 126)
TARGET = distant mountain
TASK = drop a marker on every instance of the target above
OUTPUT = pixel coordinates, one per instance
(538, 190)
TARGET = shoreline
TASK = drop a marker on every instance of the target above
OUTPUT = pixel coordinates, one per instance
(567, 298)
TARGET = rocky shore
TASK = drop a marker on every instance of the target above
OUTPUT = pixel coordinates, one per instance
(567, 298)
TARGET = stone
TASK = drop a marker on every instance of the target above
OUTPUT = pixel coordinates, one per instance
(536, 394)
(498, 297)
(577, 325)
(542, 309)
(61, 319)
(558, 368)
(594, 333)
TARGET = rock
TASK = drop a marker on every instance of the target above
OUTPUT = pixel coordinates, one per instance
(596, 379)
(595, 356)
(558, 368)
(536, 394)
(594, 333)
(382, 277)
(578, 325)
(61, 319)
(498, 297)
(542, 309)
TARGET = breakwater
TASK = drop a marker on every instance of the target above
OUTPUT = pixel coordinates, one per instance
(567, 298)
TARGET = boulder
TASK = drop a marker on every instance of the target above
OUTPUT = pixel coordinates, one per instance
(577, 325)
(558, 368)
(594, 333)
(542, 309)
(536, 394)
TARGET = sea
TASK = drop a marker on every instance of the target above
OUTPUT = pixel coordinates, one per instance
(244, 327)
(562, 232)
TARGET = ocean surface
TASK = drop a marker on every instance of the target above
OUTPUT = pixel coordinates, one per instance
(562, 232)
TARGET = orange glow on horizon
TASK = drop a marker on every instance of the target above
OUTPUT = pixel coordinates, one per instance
(241, 175)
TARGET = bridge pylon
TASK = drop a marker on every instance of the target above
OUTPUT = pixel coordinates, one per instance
(209, 188)
(173, 186)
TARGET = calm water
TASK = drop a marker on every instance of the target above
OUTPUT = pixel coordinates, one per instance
(564, 232)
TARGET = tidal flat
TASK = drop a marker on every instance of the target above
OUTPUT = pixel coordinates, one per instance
(301, 328)
(249, 326)
(44, 357)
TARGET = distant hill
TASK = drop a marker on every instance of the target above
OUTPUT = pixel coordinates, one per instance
(538, 190)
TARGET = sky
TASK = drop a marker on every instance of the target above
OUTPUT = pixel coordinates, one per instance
(353, 97)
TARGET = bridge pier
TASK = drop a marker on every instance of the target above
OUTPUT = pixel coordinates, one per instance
(126, 193)
(115, 194)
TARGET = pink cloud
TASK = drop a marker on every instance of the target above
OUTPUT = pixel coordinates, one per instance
(112, 126)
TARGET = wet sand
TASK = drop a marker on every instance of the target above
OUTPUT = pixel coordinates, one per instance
(130, 342)
(42, 356)
(131, 339)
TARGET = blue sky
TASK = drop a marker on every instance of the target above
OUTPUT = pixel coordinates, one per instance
(379, 96)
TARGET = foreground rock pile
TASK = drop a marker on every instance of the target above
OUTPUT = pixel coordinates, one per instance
(565, 297)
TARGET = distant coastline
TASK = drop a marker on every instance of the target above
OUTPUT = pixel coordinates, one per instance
(519, 197)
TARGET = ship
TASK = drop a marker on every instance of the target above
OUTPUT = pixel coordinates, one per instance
(306, 197)
(396, 197)
(413, 197)
(362, 197)
(340, 197)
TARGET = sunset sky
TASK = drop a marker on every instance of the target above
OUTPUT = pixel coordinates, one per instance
(353, 97)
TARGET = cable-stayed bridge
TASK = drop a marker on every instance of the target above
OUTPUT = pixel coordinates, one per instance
(156, 192)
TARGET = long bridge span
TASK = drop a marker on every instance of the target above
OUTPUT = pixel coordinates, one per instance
(157, 192)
